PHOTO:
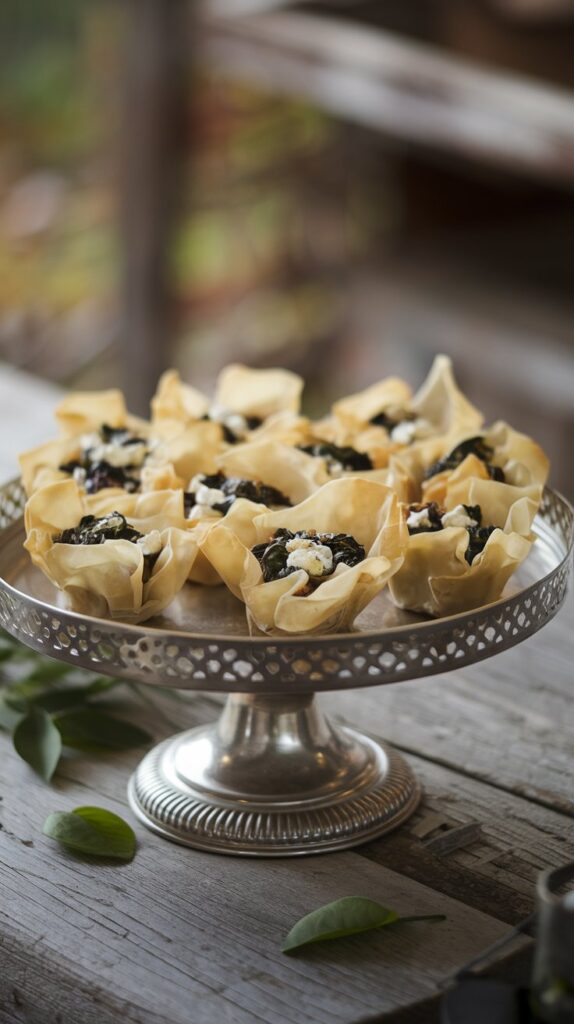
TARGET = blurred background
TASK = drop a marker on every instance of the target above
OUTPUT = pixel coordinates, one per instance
(342, 188)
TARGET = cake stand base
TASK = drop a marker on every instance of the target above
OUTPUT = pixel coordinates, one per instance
(272, 778)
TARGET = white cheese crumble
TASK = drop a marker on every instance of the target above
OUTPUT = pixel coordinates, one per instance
(417, 519)
(209, 496)
(410, 430)
(334, 466)
(79, 475)
(315, 559)
(150, 543)
(458, 516)
(119, 455)
(90, 441)
(205, 499)
(234, 421)
(111, 522)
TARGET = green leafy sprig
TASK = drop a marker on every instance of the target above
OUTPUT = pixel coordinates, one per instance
(47, 705)
(350, 915)
(93, 831)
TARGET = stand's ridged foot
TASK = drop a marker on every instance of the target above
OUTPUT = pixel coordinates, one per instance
(272, 778)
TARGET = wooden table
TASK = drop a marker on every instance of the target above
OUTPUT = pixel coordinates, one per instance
(183, 937)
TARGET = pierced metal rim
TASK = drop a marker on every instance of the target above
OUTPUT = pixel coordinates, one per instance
(549, 590)
(315, 639)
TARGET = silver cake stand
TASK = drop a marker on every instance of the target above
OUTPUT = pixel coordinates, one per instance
(274, 777)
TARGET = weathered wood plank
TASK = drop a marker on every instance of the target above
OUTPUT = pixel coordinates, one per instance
(508, 721)
(405, 89)
(179, 928)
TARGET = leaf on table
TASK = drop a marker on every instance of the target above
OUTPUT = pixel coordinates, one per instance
(68, 697)
(95, 732)
(48, 669)
(94, 831)
(10, 715)
(350, 915)
(37, 740)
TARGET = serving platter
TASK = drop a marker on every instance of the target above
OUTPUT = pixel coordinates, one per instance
(274, 777)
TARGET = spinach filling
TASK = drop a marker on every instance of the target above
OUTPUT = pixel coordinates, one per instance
(338, 458)
(382, 419)
(97, 529)
(94, 471)
(430, 520)
(472, 446)
(233, 488)
(276, 556)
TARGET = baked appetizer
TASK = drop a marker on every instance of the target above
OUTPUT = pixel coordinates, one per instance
(110, 458)
(244, 400)
(126, 563)
(315, 566)
(499, 453)
(461, 555)
(267, 474)
(304, 520)
(439, 409)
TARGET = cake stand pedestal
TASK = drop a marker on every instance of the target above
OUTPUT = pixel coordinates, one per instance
(273, 776)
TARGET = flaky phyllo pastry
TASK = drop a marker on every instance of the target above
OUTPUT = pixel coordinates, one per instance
(313, 567)
(264, 475)
(386, 416)
(245, 400)
(498, 453)
(126, 558)
(103, 447)
(300, 518)
(461, 554)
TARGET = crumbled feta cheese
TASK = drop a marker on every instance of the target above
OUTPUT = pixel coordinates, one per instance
(114, 521)
(315, 559)
(234, 421)
(334, 466)
(119, 455)
(410, 430)
(417, 519)
(404, 432)
(300, 542)
(90, 441)
(209, 496)
(150, 543)
(79, 476)
(458, 517)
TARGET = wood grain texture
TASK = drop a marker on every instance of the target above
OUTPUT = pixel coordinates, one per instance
(183, 936)
(404, 89)
(509, 722)
(178, 929)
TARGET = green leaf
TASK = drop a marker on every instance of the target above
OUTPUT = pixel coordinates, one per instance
(38, 742)
(48, 669)
(92, 830)
(71, 696)
(347, 916)
(9, 715)
(95, 732)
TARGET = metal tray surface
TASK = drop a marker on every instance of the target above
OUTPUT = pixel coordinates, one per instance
(202, 641)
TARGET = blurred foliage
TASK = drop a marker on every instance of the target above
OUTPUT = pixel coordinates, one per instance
(48, 104)
(276, 202)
